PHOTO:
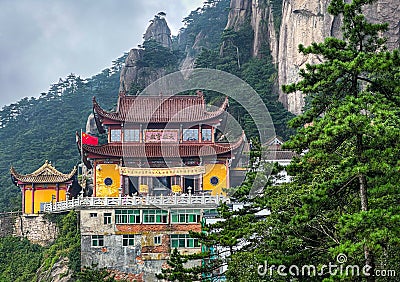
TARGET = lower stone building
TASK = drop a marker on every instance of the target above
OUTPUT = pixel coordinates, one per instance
(138, 239)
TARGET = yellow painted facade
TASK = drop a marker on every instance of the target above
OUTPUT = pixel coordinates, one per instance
(214, 179)
(108, 180)
(42, 196)
(28, 201)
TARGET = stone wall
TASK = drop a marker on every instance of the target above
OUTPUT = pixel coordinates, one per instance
(7, 222)
(35, 228)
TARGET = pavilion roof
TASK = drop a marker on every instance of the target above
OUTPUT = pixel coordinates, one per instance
(45, 174)
(160, 109)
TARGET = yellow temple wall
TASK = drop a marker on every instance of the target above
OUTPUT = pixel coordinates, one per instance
(110, 171)
(215, 170)
(28, 201)
(62, 195)
(41, 196)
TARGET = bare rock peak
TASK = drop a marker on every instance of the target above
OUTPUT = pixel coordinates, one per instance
(159, 31)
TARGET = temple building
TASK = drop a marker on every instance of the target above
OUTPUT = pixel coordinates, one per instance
(160, 145)
(42, 186)
(160, 174)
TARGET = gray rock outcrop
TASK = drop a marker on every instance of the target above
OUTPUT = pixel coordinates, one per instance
(133, 72)
(307, 21)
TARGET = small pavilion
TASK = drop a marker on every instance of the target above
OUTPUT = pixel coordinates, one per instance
(44, 185)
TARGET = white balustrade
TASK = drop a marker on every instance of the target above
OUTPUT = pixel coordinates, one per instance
(175, 199)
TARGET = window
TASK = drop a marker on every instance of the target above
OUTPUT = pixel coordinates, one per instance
(184, 241)
(107, 218)
(206, 134)
(185, 216)
(127, 216)
(155, 216)
(93, 214)
(97, 240)
(115, 135)
(131, 135)
(190, 135)
(128, 240)
(157, 240)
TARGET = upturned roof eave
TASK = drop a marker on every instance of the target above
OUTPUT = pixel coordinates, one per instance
(35, 176)
(118, 117)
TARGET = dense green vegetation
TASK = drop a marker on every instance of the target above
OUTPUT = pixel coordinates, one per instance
(19, 259)
(339, 217)
(205, 25)
(67, 244)
(157, 56)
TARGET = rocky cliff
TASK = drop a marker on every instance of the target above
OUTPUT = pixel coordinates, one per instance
(159, 31)
(259, 14)
(303, 22)
(307, 21)
(134, 72)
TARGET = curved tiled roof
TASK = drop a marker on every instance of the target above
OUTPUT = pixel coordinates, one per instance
(160, 109)
(166, 150)
(45, 174)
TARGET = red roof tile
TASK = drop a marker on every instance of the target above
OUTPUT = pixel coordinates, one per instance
(276, 155)
(149, 150)
(160, 109)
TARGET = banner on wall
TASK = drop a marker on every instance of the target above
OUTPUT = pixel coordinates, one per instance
(157, 172)
(161, 135)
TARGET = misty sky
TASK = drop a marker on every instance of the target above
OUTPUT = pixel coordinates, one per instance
(43, 40)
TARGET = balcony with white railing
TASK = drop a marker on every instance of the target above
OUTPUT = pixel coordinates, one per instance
(138, 201)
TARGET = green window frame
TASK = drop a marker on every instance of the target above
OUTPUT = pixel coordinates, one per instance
(185, 216)
(155, 216)
(184, 241)
(127, 216)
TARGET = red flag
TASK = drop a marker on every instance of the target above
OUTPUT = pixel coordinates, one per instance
(89, 140)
